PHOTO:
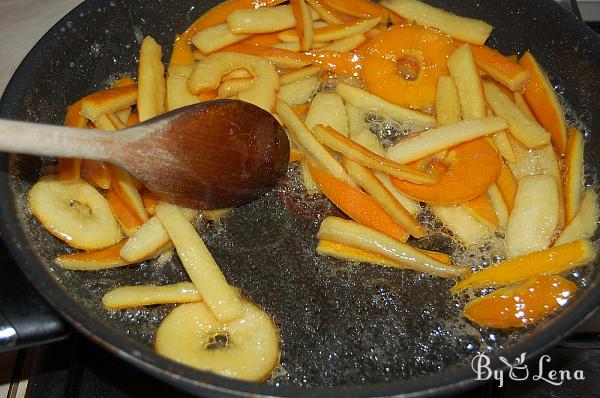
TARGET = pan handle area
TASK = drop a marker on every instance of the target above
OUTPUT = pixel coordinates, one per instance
(25, 318)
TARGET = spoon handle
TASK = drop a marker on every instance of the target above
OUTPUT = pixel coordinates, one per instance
(50, 140)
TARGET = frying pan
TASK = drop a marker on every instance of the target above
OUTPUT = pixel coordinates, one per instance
(347, 329)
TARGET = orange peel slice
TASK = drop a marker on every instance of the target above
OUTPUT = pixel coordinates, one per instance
(462, 175)
(403, 64)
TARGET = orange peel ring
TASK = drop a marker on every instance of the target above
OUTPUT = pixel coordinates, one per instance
(402, 65)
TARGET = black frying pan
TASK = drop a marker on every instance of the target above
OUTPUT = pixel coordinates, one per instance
(347, 329)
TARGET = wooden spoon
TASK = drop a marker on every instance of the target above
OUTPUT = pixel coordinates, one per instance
(215, 154)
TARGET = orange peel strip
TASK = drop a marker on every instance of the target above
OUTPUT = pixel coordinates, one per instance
(465, 178)
(128, 220)
(482, 209)
(108, 101)
(544, 102)
(507, 183)
(182, 52)
(503, 69)
(345, 252)
(551, 261)
(295, 156)
(304, 23)
(219, 13)
(521, 305)
(96, 173)
(70, 168)
(357, 205)
(338, 142)
(96, 260)
(354, 234)
(150, 201)
(373, 186)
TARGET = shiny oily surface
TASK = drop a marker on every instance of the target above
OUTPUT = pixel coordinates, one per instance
(522, 304)
(366, 325)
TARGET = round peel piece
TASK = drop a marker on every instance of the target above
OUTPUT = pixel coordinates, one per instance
(246, 348)
(404, 63)
(75, 212)
(207, 75)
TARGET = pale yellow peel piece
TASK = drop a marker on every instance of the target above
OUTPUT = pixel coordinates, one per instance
(328, 109)
(199, 264)
(144, 295)
(74, 212)
(233, 87)
(409, 204)
(573, 177)
(356, 120)
(447, 104)
(207, 75)
(308, 144)
(462, 28)
(347, 30)
(346, 44)
(309, 183)
(353, 234)
(542, 160)
(419, 145)
(215, 38)
(149, 238)
(151, 81)
(468, 83)
(299, 74)
(534, 216)
(524, 129)
(304, 23)
(263, 19)
(504, 146)
(499, 204)
(363, 99)
(462, 224)
(343, 252)
(104, 123)
(584, 223)
(362, 155)
(300, 91)
(95, 105)
(178, 94)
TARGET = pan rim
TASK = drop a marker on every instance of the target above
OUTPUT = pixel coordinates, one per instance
(190, 379)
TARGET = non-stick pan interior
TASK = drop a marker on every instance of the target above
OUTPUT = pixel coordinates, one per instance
(341, 323)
